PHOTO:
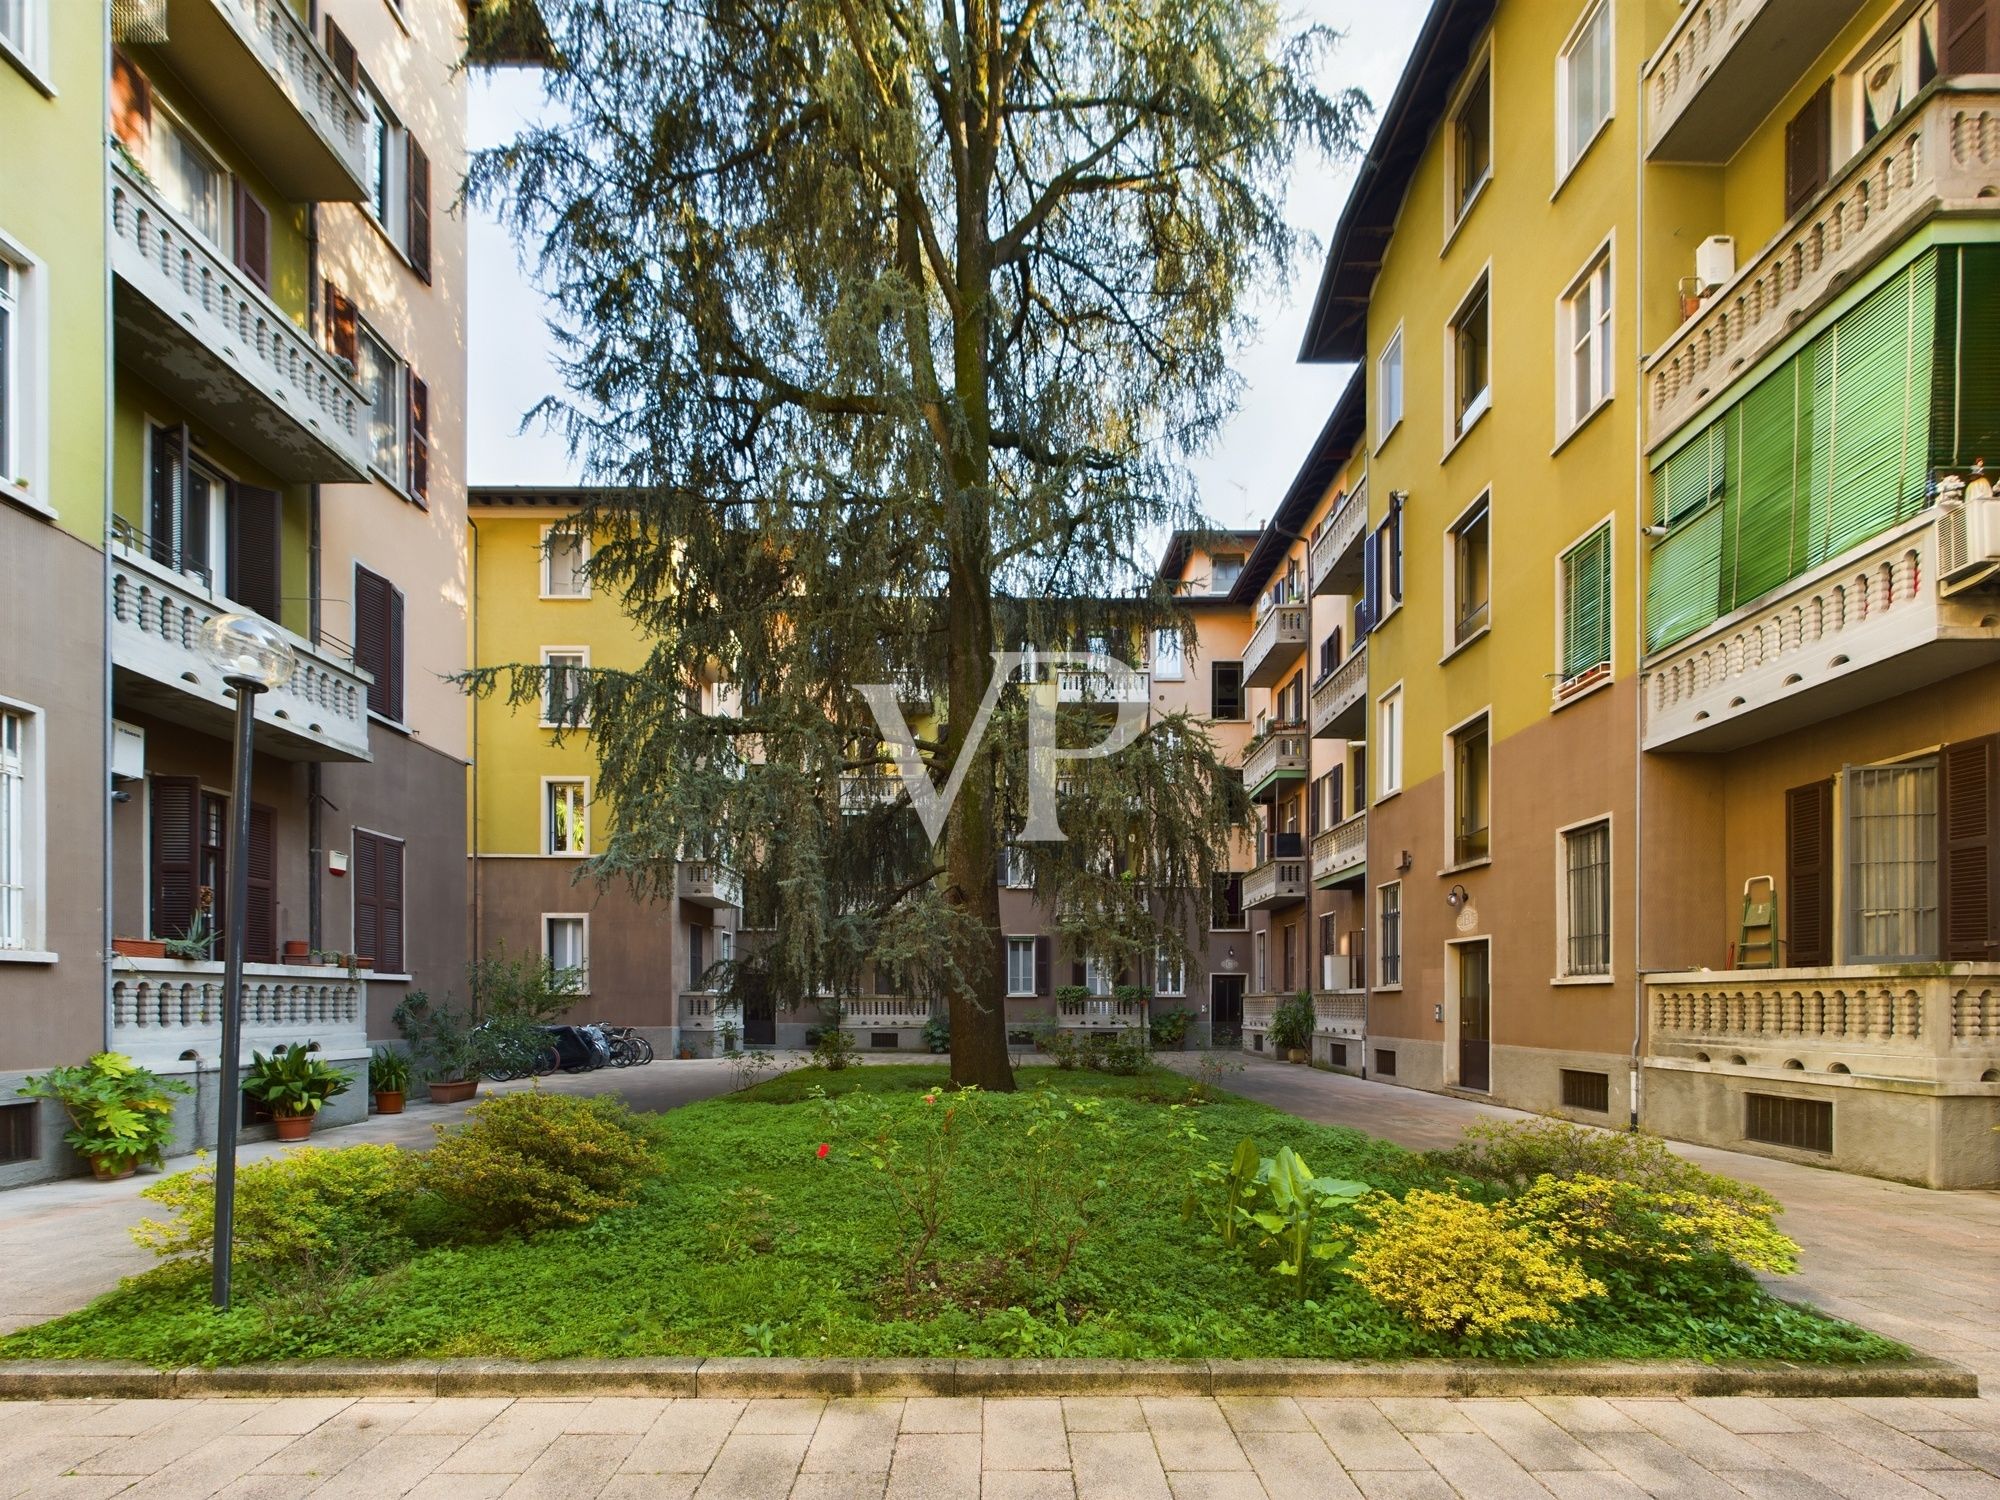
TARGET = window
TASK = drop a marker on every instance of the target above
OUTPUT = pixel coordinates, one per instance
(377, 872)
(1471, 571)
(1097, 977)
(566, 945)
(192, 181)
(1472, 141)
(1584, 597)
(1225, 699)
(398, 172)
(1471, 360)
(1020, 966)
(1169, 974)
(378, 641)
(1892, 862)
(10, 365)
(381, 376)
(1586, 343)
(1583, 84)
(697, 951)
(1381, 572)
(1169, 654)
(1224, 568)
(17, 1121)
(189, 519)
(1778, 1120)
(20, 29)
(1584, 940)
(1226, 907)
(20, 817)
(563, 559)
(1260, 968)
(1389, 386)
(1893, 74)
(563, 686)
(1016, 873)
(1389, 741)
(1470, 792)
(568, 828)
(1389, 937)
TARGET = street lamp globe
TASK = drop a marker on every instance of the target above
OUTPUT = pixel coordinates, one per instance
(248, 648)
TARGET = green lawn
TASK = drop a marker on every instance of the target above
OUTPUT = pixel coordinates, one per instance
(692, 1268)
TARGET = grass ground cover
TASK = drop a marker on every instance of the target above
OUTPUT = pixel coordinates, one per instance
(838, 1214)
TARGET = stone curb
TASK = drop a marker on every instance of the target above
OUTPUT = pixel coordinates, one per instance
(25, 1380)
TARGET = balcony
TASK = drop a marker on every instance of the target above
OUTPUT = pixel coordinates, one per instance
(1090, 685)
(260, 72)
(1275, 645)
(1279, 878)
(1870, 625)
(703, 882)
(207, 337)
(1278, 754)
(1341, 1014)
(164, 1007)
(1100, 1013)
(1340, 853)
(1339, 702)
(884, 1013)
(1725, 66)
(1334, 566)
(157, 616)
(1942, 158)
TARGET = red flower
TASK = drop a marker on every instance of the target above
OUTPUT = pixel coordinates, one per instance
(930, 1098)
(823, 1149)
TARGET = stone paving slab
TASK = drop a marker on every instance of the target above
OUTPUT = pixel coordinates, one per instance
(1088, 1447)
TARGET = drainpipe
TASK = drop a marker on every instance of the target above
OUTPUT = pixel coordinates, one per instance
(315, 772)
(473, 526)
(105, 883)
(1638, 620)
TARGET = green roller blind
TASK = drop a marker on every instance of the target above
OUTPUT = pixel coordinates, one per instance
(1965, 394)
(1765, 524)
(1877, 386)
(1586, 572)
(1683, 586)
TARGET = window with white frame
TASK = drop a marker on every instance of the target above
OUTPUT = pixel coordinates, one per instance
(566, 944)
(10, 369)
(1260, 968)
(1016, 873)
(1389, 931)
(22, 23)
(1471, 562)
(1470, 336)
(386, 157)
(20, 802)
(1584, 384)
(1471, 158)
(1389, 742)
(1584, 942)
(1893, 73)
(1389, 386)
(563, 557)
(191, 179)
(1020, 966)
(563, 702)
(1583, 83)
(1169, 973)
(1169, 654)
(1892, 862)
(1471, 791)
(1096, 977)
(381, 376)
(568, 825)
(1583, 596)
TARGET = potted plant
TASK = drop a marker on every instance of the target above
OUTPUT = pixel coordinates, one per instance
(441, 1046)
(1292, 1026)
(293, 1083)
(1170, 1028)
(388, 1080)
(297, 951)
(198, 942)
(121, 1115)
(137, 947)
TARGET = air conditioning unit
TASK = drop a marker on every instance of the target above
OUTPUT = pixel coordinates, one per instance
(1714, 262)
(128, 752)
(1968, 530)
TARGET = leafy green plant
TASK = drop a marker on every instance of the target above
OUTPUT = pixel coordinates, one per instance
(1238, 1182)
(745, 1068)
(531, 1161)
(1295, 1213)
(937, 1032)
(1292, 1023)
(1060, 1044)
(388, 1072)
(745, 1223)
(293, 1081)
(1513, 1154)
(834, 1049)
(1211, 1069)
(1059, 1159)
(527, 985)
(439, 1037)
(1170, 1027)
(120, 1113)
(917, 1152)
(1122, 1052)
(198, 942)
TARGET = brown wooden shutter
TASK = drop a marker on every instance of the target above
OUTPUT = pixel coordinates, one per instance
(1042, 956)
(395, 631)
(1809, 874)
(131, 105)
(1969, 36)
(176, 840)
(1336, 779)
(340, 52)
(255, 566)
(367, 878)
(420, 440)
(388, 951)
(1970, 825)
(419, 246)
(1312, 808)
(371, 636)
(260, 917)
(343, 325)
(166, 484)
(1808, 149)
(253, 238)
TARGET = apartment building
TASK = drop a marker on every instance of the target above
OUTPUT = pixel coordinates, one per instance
(1681, 655)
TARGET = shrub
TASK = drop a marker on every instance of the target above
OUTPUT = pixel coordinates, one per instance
(937, 1032)
(293, 1081)
(1513, 1154)
(1122, 1053)
(1060, 1044)
(1170, 1026)
(526, 985)
(439, 1038)
(532, 1161)
(1292, 1023)
(1456, 1267)
(1631, 1225)
(308, 1216)
(834, 1049)
(120, 1114)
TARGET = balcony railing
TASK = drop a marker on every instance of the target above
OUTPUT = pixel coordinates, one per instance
(162, 1008)
(1101, 1012)
(1861, 629)
(1341, 851)
(1713, 80)
(1339, 699)
(703, 882)
(157, 617)
(261, 73)
(1342, 1015)
(1279, 879)
(1277, 754)
(1942, 158)
(1931, 1022)
(1089, 685)
(1275, 645)
(1335, 562)
(201, 331)
(883, 1012)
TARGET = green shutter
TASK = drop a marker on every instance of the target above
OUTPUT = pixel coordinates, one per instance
(1683, 584)
(1965, 400)
(1872, 406)
(1690, 478)
(1587, 604)
(1763, 526)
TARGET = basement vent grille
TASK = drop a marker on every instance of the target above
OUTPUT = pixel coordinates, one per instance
(1780, 1120)
(1583, 1090)
(1385, 1062)
(17, 1132)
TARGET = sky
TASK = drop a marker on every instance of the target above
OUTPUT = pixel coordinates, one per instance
(1242, 476)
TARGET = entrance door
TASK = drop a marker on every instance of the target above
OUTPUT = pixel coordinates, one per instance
(1225, 1009)
(1475, 1018)
(760, 1017)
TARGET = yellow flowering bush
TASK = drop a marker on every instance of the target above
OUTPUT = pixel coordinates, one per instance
(1457, 1267)
(532, 1161)
(1600, 1217)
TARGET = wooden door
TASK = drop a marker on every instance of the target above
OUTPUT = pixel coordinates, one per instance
(1475, 1018)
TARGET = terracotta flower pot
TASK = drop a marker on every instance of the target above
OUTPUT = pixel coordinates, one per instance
(294, 948)
(1295, 1055)
(293, 1127)
(388, 1101)
(132, 947)
(112, 1168)
(455, 1092)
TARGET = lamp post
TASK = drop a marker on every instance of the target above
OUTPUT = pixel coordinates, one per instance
(252, 655)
